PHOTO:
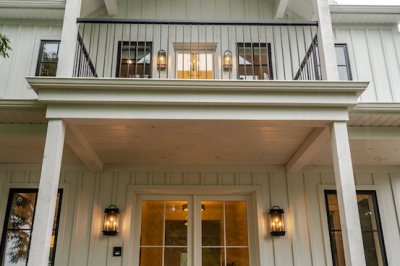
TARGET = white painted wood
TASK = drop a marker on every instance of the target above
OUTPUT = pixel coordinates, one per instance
(66, 54)
(81, 146)
(112, 7)
(49, 181)
(281, 8)
(317, 139)
(348, 210)
(326, 41)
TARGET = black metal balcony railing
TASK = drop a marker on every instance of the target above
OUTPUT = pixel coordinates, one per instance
(251, 50)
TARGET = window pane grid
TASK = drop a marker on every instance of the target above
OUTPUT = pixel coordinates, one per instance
(370, 228)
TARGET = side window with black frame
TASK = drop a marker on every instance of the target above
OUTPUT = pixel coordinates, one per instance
(17, 230)
(134, 59)
(343, 62)
(371, 230)
(48, 58)
(254, 61)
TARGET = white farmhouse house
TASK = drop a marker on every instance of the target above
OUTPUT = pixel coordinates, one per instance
(199, 132)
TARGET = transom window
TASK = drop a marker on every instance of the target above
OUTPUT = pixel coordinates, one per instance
(48, 58)
(17, 232)
(374, 248)
(188, 232)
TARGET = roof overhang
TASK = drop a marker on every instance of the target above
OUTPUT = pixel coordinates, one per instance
(44, 9)
(365, 14)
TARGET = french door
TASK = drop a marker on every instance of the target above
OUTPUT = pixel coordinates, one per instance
(193, 230)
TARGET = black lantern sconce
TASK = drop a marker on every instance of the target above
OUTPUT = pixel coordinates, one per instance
(162, 60)
(277, 221)
(111, 221)
(227, 60)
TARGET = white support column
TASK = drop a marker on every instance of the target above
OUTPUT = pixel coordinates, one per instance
(69, 35)
(326, 43)
(47, 196)
(346, 193)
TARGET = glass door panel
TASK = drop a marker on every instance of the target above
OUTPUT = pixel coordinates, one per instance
(224, 233)
(164, 233)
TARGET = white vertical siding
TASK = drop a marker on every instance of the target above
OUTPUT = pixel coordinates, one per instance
(306, 243)
(25, 43)
(374, 57)
(197, 9)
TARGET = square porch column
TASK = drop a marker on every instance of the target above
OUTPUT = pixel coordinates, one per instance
(346, 193)
(47, 196)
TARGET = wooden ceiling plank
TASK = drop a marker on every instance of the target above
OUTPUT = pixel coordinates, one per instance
(34, 130)
(374, 133)
(317, 139)
(81, 146)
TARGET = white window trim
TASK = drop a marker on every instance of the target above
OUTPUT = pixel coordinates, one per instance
(129, 215)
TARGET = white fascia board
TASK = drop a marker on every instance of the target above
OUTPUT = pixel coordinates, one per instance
(33, 4)
(364, 9)
(190, 92)
(315, 116)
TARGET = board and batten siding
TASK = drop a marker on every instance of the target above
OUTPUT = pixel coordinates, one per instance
(25, 37)
(374, 53)
(87, 194)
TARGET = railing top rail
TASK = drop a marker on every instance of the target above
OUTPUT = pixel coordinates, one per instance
(199, 22)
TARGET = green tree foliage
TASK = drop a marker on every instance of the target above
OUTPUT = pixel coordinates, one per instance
(4, 46)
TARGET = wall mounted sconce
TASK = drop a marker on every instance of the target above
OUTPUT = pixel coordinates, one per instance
(277, 221)
(227, 60)
(111, 221)
(185, 207)
(162, 60)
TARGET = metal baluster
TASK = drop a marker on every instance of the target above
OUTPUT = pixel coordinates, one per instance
(205, 35)
(176, 61)
(145, 50)
(244, 54)
(159, 66)
(298, 53)
(283, 54)
(290, 50)
(120, 52)
(252, 55)
(137, 49)
(220, 48)
(112, 51)
(269, 60)
(98, 41)
(305, 49)
(183, 51)
(105, 50)
(274, 42)
(259, 51)
(167, 54)
(229, 49)
(213, 53)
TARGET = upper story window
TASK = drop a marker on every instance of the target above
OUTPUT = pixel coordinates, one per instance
(134, 60)
(254, 61)
(371, 230)
(17, 231)
(343, 62)
(48, 58)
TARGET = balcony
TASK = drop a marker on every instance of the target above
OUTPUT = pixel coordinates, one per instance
(219, 50)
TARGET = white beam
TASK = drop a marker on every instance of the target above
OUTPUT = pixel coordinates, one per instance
(346, 193)
(317, 139)
(81, 146)
(48, 186)
(280, 10)
(112, 7)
